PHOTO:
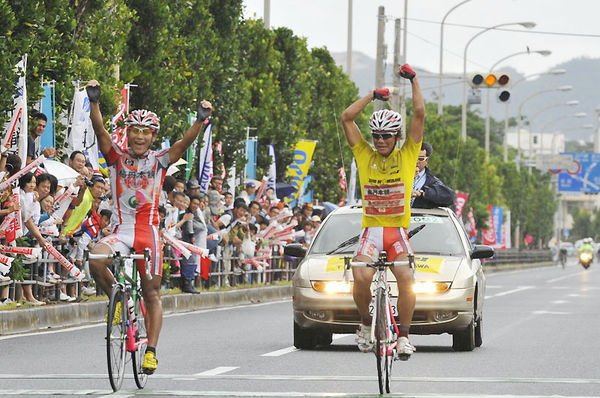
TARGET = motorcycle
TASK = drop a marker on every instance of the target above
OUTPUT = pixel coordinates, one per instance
(585, 258)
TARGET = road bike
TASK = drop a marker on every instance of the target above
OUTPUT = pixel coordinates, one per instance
(384, 330)
(128, 333)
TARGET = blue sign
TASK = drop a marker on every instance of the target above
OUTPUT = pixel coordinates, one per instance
(583, 175)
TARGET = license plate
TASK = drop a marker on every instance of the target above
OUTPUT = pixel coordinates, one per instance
(372, 306)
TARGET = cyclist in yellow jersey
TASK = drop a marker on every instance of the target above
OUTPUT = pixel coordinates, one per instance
(386, 176)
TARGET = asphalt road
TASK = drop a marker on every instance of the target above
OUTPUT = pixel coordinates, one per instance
(541, 338)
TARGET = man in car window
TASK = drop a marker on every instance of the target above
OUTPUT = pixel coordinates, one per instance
(386, 176)
(428, 190)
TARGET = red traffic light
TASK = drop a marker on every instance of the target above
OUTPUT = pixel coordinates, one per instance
(503, 79)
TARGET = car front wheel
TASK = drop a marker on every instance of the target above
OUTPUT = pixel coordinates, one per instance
(464, 340)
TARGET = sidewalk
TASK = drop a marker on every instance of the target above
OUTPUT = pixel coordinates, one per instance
(76, 314)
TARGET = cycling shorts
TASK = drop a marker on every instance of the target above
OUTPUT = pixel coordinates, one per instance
(128, 237)
(393, 240)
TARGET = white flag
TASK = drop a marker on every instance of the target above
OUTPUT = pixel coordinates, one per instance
(205, 161)
(15, 131)
(81, 136)
(272, 169)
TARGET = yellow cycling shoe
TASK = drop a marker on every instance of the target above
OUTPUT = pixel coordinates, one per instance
(150, 363)
(117, 317)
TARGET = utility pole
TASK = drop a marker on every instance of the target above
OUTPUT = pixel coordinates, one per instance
(403, 99)
(381, 52)
(396, 77)
(349, 48)
(267, 12)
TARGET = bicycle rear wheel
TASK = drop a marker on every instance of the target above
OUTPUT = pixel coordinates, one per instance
(116, 337)
(382, 353)
(141, 341)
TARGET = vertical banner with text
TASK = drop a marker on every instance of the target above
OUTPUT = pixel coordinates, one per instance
(298, 169)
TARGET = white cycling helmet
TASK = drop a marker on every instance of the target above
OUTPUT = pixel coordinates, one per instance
(385, 120)
(144, 118)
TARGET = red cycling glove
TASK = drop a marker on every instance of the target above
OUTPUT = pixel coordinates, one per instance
(407, 72)
(382, 94)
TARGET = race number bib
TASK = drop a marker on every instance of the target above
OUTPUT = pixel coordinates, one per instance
(384, 200)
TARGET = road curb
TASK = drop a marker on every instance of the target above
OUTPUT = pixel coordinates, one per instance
(77, 314)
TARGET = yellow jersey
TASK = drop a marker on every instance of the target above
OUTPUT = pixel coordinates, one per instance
(386, 183)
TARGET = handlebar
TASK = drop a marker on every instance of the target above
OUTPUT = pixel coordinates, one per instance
(105, 256)
(377, 263)
(145, 256)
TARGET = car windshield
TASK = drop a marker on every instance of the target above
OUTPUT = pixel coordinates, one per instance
(439, 236)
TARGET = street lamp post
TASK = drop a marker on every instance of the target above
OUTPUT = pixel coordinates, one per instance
(552, 72)
(562, 88)
(575, 115)
(532, 118)
(487, 113)
(442, 53)
(527, 25)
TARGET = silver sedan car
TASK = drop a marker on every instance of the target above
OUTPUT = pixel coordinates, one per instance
(449, 280)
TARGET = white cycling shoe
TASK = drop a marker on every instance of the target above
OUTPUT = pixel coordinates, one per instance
(404, 349)
(363, 338)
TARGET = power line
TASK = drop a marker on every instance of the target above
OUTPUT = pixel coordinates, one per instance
(571, 34)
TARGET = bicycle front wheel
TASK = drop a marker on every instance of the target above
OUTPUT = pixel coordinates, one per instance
(141, 341)
(382, 354)
(116, 336)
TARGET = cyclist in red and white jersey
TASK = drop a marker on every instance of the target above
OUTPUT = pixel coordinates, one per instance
(136, 176)
(386, 177)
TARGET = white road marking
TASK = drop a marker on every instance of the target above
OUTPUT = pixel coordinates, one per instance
(281, 352)
(560, 301)
(543, 312)
(217, 371)
(519, 289)
(560, 278)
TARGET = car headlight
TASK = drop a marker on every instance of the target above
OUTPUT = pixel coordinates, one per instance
(332, 287)
(429, 287)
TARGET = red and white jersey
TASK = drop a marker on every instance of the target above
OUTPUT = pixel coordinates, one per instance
(136, 183)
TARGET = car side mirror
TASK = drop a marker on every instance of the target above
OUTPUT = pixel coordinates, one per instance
(294, 250)
(482, 251)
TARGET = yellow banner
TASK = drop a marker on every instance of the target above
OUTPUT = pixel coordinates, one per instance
(335, 264)
(428, 264)
(298, 170)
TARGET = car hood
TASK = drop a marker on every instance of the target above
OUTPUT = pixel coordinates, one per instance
(428, 268)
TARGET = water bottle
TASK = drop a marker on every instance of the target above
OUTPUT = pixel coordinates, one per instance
(130, 305)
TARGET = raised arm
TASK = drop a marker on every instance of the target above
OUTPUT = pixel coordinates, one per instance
(418, 119)
(104, 140)
(350, 114)
(178, 148)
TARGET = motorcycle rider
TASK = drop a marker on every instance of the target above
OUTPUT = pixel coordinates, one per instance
(586, 252)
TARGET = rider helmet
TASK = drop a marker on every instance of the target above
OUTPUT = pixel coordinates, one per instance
(144, 118)
(385, 120)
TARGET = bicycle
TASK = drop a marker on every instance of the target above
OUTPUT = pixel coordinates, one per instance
(384, 330)
(129, 333)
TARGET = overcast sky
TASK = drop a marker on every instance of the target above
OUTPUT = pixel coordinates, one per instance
(324, 23)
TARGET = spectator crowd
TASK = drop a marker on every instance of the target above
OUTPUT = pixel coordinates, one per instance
(239, 239)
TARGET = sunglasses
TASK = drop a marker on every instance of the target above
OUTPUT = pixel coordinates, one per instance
(385, 136)
(423, 158)
(142, 131)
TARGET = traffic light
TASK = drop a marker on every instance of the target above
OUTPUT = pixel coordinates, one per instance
(492, 80)
(489, 80)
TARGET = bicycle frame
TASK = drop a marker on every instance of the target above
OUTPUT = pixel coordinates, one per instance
(131, 340)
(387, 341)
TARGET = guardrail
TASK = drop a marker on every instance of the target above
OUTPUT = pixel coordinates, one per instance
(516, 256)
